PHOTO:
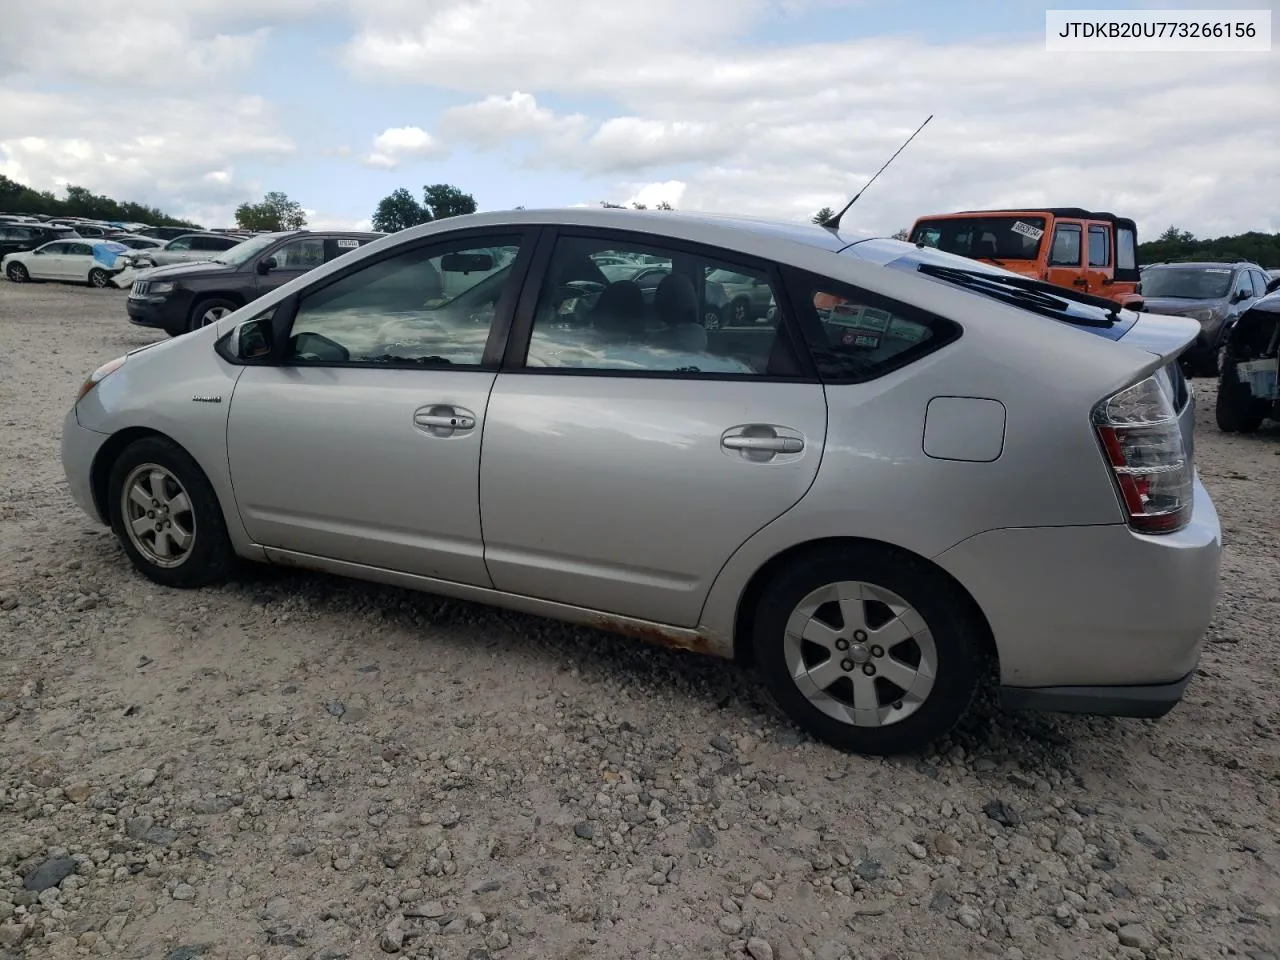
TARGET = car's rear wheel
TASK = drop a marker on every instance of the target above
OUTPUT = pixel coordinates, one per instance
(210, 311)
(868, 648)
(166, 515)
(17, 273)
(99, 278)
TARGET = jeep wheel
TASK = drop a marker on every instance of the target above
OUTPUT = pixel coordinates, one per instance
(210, 311)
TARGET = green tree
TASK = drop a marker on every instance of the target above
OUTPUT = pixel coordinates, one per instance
(443, 200)
(398, 210)
(640, 206)
(274, 212)
(663, 205)
(902, 234)
(824, 216)
(611, 206)
(1174, 235)
(80, 202)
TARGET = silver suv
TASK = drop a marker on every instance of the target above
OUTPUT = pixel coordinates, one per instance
(188, 248)
(1215, 294)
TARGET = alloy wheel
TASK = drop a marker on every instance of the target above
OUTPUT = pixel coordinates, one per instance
(157, 515)
(212, 315)
(860, 654)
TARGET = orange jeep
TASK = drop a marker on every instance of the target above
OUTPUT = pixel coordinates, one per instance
(1093, 252)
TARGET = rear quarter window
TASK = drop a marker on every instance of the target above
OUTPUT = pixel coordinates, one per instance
(855, 335)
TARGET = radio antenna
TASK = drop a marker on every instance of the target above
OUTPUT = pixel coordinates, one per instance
(834, 223)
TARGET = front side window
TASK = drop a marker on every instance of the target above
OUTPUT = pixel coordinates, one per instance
(1244, 286)
(668, 317)
(855, 335)
(1099, 247)
(80, 249)
(304, 254)
(1066, 246)
(430, 306)
(1259, 283)
(57, 247)
(182, 243)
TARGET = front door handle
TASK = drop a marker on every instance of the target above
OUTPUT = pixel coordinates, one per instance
(443, 420)
(772, 444)
(761, 442)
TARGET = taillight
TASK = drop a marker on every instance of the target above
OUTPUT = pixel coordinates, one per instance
(1138, 428)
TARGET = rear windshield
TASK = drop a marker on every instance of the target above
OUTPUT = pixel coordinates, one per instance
(1000, 238)
(1189, 283)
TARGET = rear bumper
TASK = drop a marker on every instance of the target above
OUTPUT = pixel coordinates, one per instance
(1079, 609)
(1147, 701)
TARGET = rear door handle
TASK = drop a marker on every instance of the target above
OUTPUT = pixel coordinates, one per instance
(443, 420)
(772, 444)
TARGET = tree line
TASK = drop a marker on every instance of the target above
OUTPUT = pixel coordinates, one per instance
(80, 202)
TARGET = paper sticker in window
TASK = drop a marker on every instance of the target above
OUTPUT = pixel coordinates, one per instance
(347, 244)
(1027, 230)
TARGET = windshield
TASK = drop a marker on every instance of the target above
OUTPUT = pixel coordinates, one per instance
(1000, 238)
(244, 251)
(1189, 283)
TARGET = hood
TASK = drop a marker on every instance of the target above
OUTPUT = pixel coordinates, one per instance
(177, 271)
(1181, 306)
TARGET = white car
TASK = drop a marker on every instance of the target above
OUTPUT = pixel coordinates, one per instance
(81, 260)
(189, 248)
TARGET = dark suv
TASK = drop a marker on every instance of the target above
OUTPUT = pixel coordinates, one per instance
(1215, 294)
(188, 296)
(19, 237)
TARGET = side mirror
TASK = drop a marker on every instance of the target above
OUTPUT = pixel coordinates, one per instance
(1274, 285)
(1240, 295)
(266, 265)
(254, 339)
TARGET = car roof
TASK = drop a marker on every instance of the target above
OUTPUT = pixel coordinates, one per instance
(1076, 212)
(1217, 264)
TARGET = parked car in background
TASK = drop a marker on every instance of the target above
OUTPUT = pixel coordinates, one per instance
(134, 242)
(748, 298)
(16, 237)
(166, 233)
(188, 296)
(1248, 388)
(71, 261)
(1214, 294)
(188, 248)
(1087, 250)
(862, 508)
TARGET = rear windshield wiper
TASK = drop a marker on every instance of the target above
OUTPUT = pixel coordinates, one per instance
(1036, 295)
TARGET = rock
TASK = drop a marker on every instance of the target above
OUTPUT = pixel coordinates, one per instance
(759, 949)
(1147, 836)
(969, 917)
(161, 836)
(392, 939)
(946, 846)
(429, 909)
(869, 869)
(702, 837)
(77, 792)
(13, 934)
(49, 874)
(761, 890)
(192, 951)
(143, 778)
(872, 908)
(722, 744)
(299, 847)
(917, 850)
(184, 891)
(1002, 813)
(1137, 936)
(487, 886)
(336, 708)
(1069, 842)
(730, 924)
(585, 830)
(498, 940)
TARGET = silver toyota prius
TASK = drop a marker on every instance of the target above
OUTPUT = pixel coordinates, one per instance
(914, 466)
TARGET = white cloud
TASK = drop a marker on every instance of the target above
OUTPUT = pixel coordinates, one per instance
(395, 144)
(652, 194)
(497, 119)
(783, 129)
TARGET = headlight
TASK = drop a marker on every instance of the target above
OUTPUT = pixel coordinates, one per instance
(160, 288)
(95, 378)
(1204, 316)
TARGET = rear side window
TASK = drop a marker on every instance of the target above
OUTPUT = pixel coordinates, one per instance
(1066, 246)
(1126, 251)
(855, 335)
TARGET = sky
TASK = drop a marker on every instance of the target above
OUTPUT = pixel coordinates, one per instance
(769, 108)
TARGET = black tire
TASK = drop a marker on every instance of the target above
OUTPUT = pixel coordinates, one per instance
(200, 312)
(17, 273)
(1233, 410)
(99, 278)
(210, 557)
(947, 613)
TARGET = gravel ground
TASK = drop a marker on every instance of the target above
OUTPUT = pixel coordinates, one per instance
(301, 766)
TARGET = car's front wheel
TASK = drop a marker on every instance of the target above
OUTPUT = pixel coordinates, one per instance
(99, 278)
(17, 273)
(207, 312)
(166, 515)
(868, 648)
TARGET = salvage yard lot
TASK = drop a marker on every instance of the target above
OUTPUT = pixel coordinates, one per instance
(300, 766)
